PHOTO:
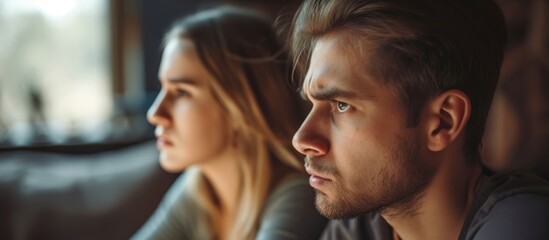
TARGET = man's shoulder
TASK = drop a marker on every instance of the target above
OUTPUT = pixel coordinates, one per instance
(510, 206)
(512, 183)
(516, 188)
(369, 226)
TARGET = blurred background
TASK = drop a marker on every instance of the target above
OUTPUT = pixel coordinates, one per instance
(77, 160)
(84, 72)
(77, 157)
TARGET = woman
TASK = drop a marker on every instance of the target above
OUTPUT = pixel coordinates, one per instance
(226, 116)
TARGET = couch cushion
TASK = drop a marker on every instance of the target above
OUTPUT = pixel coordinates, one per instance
(105, 195)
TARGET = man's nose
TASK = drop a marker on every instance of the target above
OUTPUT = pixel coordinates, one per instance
(310, 139)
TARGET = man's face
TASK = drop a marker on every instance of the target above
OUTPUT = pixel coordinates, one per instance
(359, 151)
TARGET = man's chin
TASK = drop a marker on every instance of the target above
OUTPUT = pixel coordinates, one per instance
(336, 210)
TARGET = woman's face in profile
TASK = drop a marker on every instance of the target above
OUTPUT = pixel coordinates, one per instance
(191, 125)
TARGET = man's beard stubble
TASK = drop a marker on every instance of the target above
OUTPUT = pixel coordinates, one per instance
(396, 191)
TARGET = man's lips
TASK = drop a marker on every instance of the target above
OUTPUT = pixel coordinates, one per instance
(316, 180)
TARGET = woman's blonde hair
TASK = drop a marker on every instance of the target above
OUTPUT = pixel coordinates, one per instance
(240, 50)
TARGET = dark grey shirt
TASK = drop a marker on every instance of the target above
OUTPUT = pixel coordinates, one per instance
(289, 213)
(508, 206)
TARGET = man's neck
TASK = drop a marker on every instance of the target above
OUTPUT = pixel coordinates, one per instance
(442, 207)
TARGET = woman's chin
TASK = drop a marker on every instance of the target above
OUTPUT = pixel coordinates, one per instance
(171, 165)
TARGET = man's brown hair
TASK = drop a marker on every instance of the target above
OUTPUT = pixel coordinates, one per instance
(420, 48)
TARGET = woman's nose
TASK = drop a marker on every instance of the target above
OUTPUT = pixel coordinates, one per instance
(158, 113)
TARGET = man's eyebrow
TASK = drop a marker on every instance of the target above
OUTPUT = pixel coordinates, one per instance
(330, 93)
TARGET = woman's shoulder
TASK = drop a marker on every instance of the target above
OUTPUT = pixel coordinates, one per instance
(291, 196)
(291, 183)
(290, 212)
(285, 178)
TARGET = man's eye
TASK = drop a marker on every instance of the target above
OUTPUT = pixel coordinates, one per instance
(342, 107)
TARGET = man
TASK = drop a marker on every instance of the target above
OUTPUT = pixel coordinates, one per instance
(400, 92)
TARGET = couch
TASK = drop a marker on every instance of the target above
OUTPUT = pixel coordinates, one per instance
(101, 195)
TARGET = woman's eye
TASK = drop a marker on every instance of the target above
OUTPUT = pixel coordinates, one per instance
(182, 93)
(342, 107)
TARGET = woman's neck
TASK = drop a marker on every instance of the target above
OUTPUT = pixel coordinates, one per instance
(224, 177)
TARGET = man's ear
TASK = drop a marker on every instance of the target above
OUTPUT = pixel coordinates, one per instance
(445, 118)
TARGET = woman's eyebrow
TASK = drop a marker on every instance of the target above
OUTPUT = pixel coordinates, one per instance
(183, 80)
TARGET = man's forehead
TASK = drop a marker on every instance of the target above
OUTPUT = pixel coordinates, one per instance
(321, 65)
(333, 64)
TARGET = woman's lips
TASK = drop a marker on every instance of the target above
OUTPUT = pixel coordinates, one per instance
(163, 142)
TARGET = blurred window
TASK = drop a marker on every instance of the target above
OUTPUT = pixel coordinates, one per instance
(55, 71)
